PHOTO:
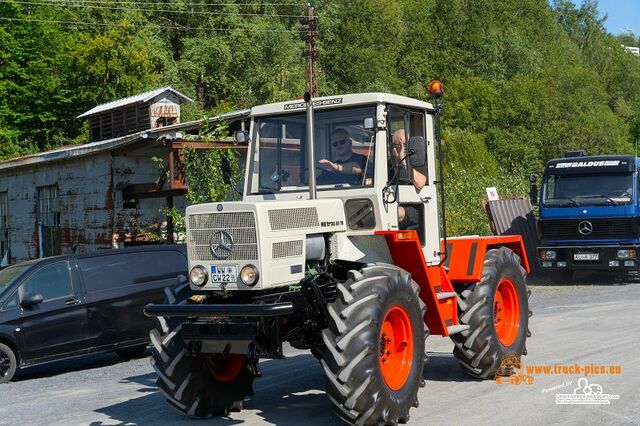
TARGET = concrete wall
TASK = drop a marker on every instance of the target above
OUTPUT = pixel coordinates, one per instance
(90, 197)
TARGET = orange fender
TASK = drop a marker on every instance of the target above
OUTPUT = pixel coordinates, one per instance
(465, 255)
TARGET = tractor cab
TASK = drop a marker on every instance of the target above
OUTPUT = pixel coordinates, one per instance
(368, 149)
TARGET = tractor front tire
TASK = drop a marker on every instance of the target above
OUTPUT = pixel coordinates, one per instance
(497, 312)
(198, 385)
(373, 351)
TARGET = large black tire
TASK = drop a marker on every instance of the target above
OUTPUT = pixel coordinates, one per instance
(479, 349)
(8, 363)
(351, 355)
(186, 380)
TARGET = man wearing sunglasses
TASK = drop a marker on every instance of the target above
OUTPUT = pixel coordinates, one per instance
(347, 166)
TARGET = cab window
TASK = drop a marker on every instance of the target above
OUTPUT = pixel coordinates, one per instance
(52, 282)
(405, 124)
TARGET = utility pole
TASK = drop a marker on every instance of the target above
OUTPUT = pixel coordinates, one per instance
(310, 35)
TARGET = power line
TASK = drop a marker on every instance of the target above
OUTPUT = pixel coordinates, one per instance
(177, 27)
(132, 9)
(169, 3)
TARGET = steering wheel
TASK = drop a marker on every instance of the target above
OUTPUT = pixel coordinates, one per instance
(329, 177)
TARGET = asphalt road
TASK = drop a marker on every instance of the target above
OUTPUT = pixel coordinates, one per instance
(584, 324)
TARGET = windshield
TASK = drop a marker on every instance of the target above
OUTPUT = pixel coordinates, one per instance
(582, 190)
(10, 274)
(344, 151)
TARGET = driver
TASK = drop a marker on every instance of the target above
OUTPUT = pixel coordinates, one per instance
(348, 166)
(408, 215)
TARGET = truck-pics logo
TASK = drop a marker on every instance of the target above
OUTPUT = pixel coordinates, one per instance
(511, 371)
(223, 245)
(585, 227)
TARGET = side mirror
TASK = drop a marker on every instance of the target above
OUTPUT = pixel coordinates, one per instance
(369, 123)
(533, 189)
(242, 136)
(417, 151)
(226, 169)
(30, 300)
(533, 194)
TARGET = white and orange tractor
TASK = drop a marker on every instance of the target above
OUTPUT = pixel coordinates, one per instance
(338, 246)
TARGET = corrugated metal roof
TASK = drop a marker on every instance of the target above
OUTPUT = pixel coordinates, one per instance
(142, 97)
(73, 151)
(515, 217)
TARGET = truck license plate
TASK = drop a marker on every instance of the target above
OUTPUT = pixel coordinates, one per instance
(586, 256)
(224, 274)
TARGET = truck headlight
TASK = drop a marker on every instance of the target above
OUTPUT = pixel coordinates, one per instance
(249, 275)
(548, 254)
(198, 276)
(626, 254)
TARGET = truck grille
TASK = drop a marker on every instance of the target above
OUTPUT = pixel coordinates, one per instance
(602, 228)
(240, 225)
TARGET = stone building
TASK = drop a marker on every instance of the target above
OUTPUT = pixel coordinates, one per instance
(105, 193)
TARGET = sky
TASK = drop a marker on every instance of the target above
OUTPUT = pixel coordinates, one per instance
(622, 15)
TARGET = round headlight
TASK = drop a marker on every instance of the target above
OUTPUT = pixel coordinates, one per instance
(198, 276)
(249, 275)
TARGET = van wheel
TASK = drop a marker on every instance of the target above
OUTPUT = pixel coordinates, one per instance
(198, 385)
(132, 353)
(8, 363)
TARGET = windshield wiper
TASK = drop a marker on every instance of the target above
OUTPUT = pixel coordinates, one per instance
(608, 199)
(266, 190)
(569, 201)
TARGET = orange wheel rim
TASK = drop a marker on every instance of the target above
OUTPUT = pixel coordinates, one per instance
(226, 370)
(396, 347)
(506, 312)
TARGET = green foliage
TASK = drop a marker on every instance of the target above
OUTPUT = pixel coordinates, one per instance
(525, 80)
(204, 175)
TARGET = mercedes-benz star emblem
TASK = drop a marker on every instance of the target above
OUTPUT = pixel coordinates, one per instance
(222, 246)
(585, 227)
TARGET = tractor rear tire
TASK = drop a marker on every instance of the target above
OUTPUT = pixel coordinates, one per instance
(497, 311)
(373, 351)
(200, 385)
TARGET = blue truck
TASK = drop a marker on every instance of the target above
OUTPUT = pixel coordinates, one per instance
(589, 214)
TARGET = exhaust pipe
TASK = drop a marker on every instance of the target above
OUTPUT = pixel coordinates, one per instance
(311, 156)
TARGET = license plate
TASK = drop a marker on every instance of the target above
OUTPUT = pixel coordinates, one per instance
(224, 274)
(586, 256)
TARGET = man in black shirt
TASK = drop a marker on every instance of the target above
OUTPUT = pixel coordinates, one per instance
(348, 166)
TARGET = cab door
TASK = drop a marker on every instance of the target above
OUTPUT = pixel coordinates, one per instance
(424, 202)
(57, 326)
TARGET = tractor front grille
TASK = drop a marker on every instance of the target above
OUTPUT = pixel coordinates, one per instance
(287, 249)
(202, 235)
(297, 218)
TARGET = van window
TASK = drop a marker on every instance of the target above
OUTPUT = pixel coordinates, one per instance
(52, 282)
(11, 303)
(121, 270)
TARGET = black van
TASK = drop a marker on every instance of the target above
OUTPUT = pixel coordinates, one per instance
(64, 306)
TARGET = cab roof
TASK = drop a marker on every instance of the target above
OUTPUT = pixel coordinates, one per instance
(341, 101)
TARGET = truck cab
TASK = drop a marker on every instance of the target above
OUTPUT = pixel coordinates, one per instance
(589, 213)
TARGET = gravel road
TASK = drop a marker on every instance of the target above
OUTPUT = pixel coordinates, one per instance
(584, 324)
